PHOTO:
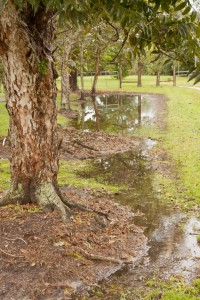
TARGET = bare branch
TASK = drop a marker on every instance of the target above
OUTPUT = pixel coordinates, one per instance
(122, 46)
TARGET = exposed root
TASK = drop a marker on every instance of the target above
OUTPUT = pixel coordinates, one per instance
(45, 195)
(85, 146)
(101, 258)
(9, 254)
(47, 198)
(82, 207)
(14, 196)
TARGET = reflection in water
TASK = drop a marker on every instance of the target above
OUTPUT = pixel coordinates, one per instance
(171, 249)
(139, 110)
(132, 169)
(116, 113)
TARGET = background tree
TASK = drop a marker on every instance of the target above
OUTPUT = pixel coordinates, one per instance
(66, 43)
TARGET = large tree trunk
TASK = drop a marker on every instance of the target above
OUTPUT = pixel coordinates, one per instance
(25, 40)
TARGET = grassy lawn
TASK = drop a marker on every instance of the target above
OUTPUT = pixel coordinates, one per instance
(3, 120)
(173, 289)
(148, 83)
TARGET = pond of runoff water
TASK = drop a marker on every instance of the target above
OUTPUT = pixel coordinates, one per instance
(172, 247)
(117, 113)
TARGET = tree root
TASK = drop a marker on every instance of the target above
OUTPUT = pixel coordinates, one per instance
(45, 195)
(84, 146)
(105, 258)
(82, 207)
(47, 198)
(14, 196)
(9, 254)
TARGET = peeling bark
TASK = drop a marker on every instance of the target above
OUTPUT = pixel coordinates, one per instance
(29, 78)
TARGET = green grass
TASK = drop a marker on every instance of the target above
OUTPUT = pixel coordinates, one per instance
(173, 289)
(68, 176)
(4, 174)
(148, 83)
(4, 122)
(182, 139)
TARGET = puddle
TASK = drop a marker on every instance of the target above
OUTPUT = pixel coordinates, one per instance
(173, 247)
(117, 113)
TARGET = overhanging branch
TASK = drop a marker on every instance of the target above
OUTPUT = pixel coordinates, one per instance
(122, 46)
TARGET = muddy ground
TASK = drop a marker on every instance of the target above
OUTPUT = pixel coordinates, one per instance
(41, 258)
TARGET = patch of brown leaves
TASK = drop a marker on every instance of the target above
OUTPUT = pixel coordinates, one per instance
(81, 144)
(41, 258)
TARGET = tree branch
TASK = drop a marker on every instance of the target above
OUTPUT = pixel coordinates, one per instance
(116, 32)
(122, 46)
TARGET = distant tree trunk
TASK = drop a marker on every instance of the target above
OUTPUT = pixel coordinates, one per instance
(96, 74)
(158, 78)
(65, 86)
(174, 75)
(83, 105)
(73, 80)
(81, 75)
(25, 39)
(139, 83)
(120, 76)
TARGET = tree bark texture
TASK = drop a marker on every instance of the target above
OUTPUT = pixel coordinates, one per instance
(31, 104)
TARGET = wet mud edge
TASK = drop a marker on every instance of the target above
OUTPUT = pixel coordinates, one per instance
(41, 258)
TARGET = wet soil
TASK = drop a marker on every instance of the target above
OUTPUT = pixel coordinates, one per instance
(41, 258)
